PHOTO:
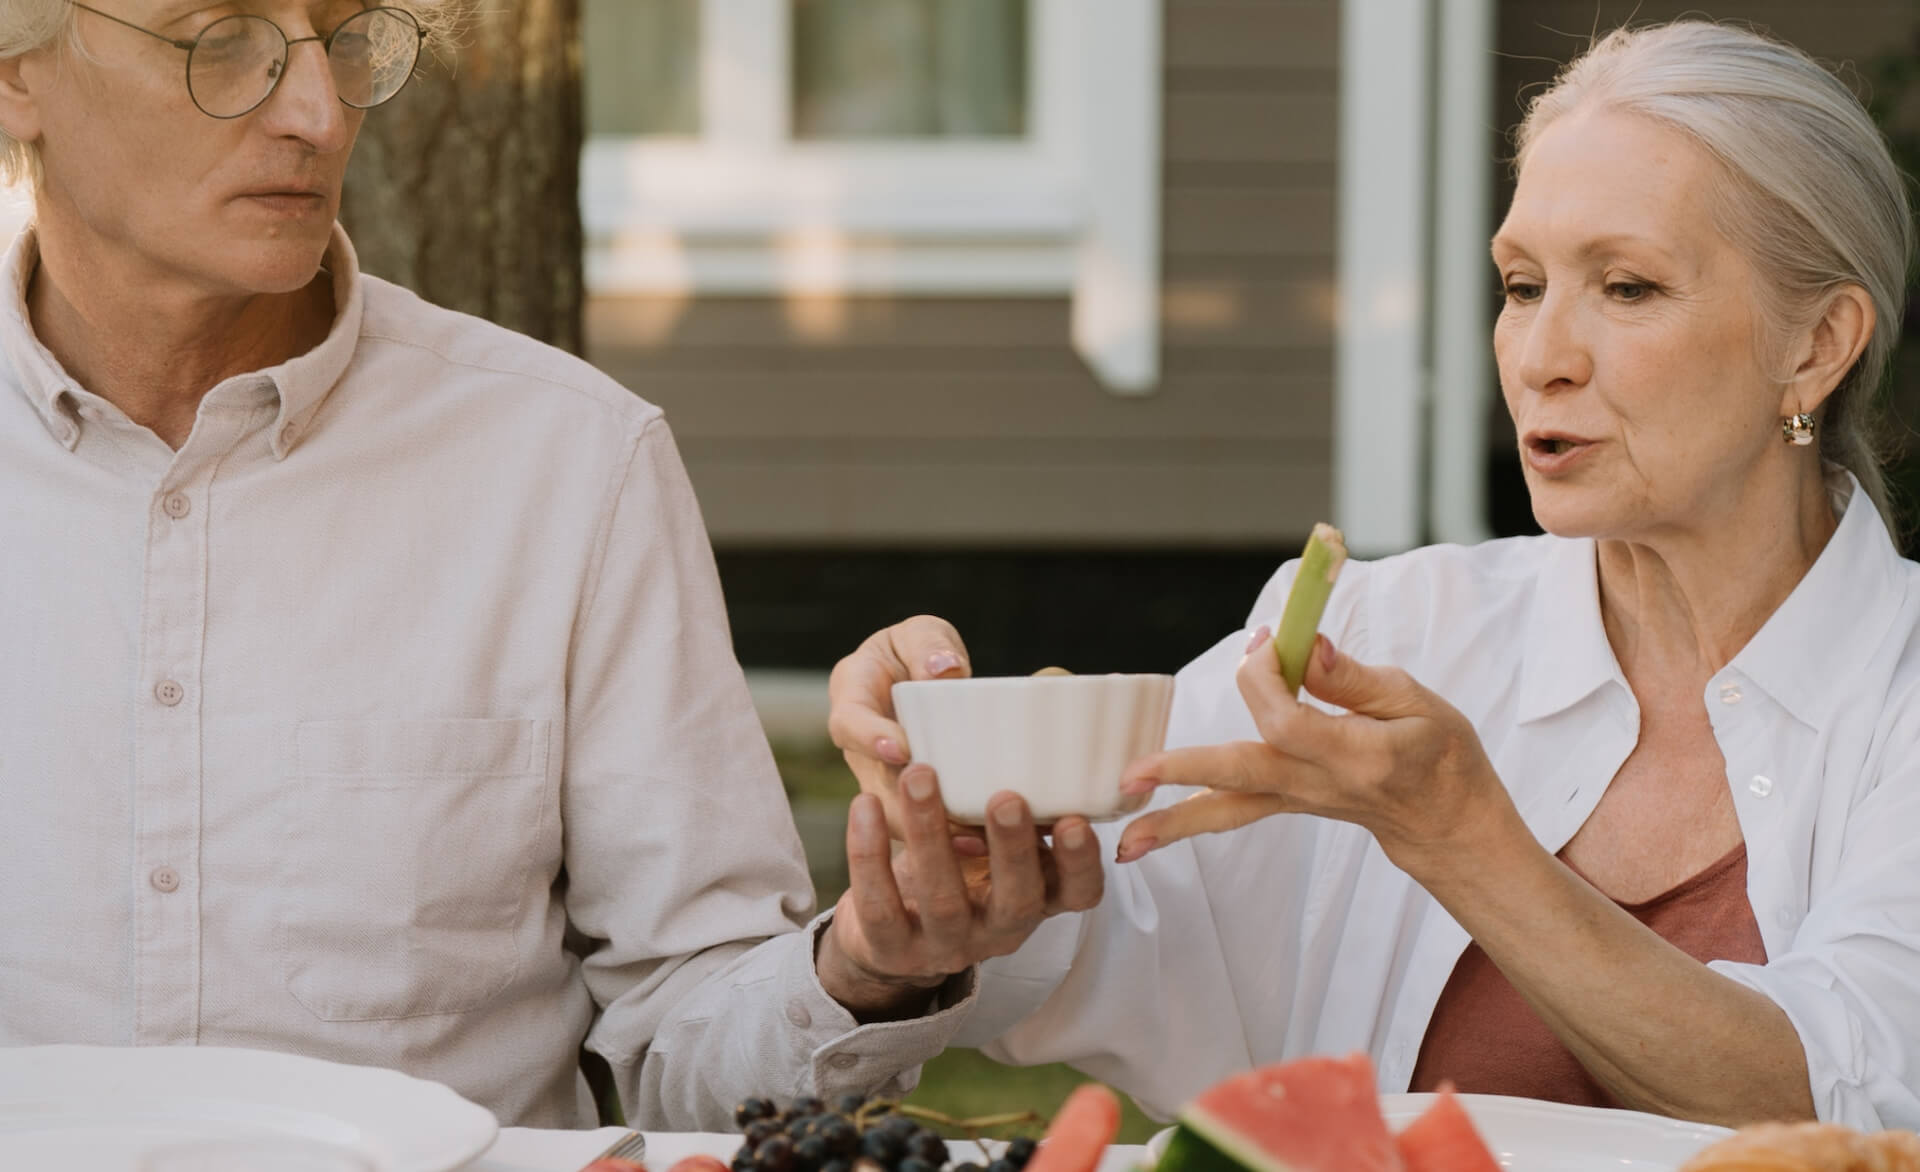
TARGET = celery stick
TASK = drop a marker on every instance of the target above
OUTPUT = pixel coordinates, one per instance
(1320, 564)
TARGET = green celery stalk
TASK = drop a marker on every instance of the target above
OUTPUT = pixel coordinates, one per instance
(1320, 564)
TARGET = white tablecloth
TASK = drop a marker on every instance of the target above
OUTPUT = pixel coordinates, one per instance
(526, 1149)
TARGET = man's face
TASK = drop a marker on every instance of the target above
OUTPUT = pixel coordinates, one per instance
(135, 172)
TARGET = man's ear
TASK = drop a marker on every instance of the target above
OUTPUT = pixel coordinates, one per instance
(1830, 349)
(19, 107)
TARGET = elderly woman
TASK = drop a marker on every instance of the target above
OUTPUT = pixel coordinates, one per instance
(1624, 814)
(368, 692)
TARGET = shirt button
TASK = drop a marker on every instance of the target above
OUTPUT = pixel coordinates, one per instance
(798, 1015)
(1761, 785)
(1730, 693)
(844, 1061)
(164, 879)
(176, 505)
(169, 693)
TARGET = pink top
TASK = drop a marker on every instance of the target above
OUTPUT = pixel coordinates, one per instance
(1485, 1039)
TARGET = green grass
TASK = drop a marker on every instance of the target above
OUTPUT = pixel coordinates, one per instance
(967, 1084)
(964, 1084)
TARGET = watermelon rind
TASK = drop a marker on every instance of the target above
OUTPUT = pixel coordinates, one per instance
(1203, 1144)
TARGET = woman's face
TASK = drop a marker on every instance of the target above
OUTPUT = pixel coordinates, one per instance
(1627, 342)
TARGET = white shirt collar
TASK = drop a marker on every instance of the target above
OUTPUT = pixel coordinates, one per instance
(1840, 611)
(301, 383)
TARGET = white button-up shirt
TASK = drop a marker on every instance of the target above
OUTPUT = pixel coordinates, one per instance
(1296, 936)
(393, 719)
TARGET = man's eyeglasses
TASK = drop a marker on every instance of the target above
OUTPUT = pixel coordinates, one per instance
(237, 61)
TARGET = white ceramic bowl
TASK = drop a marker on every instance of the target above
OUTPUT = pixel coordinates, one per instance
(1061, 742)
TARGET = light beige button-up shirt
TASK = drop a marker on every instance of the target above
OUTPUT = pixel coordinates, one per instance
(393, 719)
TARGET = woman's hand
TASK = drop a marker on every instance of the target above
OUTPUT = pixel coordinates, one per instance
(861, 694)
(1401, 762)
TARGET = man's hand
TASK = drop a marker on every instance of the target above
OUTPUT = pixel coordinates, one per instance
(910, 922)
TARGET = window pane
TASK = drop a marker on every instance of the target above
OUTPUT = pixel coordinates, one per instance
(642, 66)
(909, 68)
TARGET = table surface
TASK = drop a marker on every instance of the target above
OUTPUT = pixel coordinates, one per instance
(526, 1149)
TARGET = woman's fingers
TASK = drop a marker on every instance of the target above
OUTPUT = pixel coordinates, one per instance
(1239, 766)
(1384, 693)
(930, 648)
(1203, 813)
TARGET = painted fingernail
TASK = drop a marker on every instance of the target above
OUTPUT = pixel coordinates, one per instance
(1260, 635)
(888, 750)
(1139, 847)
(967, 846)
(1074, 837)
(1323, 648)
(919, 783)
(1007, 815)
(942, 662)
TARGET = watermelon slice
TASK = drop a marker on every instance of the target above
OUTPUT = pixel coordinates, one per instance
(1443, 1139)
(1314, 1115)
(1080, 1132)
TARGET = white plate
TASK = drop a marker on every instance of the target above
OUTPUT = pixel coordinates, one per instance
(100, 1108)
(1532, 1136)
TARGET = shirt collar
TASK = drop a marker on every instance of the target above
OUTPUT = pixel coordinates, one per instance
(302, 383)
(1836, 618)
(1567, 656)
(1833, 620)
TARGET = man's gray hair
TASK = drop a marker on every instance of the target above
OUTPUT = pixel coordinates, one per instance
(26, 25)
(1810, 192)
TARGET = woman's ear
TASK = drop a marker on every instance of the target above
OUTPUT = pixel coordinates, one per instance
(1830, 348)
(19, 107)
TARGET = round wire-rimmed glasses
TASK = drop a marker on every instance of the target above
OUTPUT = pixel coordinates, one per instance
(236, 62)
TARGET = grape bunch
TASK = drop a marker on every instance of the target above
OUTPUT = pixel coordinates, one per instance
(854, 1135)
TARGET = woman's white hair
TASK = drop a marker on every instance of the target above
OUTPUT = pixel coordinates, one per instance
(27, 25)
(1810, 193)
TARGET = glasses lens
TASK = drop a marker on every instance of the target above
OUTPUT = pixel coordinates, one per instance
(234, 64)
(373, 55)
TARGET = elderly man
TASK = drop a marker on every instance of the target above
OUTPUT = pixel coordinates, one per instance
(368, 692)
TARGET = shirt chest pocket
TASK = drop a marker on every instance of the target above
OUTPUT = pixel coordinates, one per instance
(410, 873)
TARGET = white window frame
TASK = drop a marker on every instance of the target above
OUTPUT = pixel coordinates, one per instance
(1412, 361)
(744, 209)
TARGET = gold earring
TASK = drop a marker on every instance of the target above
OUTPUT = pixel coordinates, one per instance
(1797, 429)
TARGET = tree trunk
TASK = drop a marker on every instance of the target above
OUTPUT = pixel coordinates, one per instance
(465, 188)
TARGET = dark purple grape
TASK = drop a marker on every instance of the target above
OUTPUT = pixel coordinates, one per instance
(836, 1165)
(849, 1104)
(775, 1155)
(916, 1164)
(1003, 1165)
(842, 1138)
(750, 1110)
(758, 1132)
(882, 1146)
(808, 1105)
(743, 1159)
(929, 1147)
(1019, 1152)
(900, 1125)
(811, 1152)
